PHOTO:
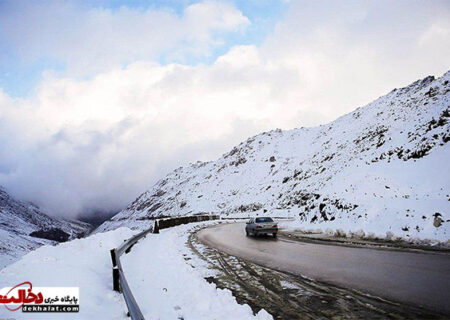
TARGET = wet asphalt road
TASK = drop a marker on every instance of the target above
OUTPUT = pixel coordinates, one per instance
(416, 278)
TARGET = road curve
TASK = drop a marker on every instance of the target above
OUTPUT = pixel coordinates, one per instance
(416, 278)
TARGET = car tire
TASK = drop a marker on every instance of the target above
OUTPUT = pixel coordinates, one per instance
(274, 234)
(247, 233)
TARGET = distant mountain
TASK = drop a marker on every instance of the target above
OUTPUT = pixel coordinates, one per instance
(23, 227)
(384, 167)
(97, 217)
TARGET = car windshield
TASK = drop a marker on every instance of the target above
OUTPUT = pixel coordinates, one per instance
(262, 220)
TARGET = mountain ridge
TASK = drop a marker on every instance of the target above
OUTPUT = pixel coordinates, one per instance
(380, 169)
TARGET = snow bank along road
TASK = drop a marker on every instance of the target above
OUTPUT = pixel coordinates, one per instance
(416, 278)
(166, 279)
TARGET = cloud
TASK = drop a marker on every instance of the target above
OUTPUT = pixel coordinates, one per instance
(349, 53)
(83, 145)
(93, 39)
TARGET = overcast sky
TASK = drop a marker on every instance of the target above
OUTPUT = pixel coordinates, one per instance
(100, 99)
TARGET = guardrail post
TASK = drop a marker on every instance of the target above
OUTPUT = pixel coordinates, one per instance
(116, 283)
(156, 227)
(113, 257)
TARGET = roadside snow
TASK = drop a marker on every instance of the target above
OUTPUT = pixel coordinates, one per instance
(83, 263)
(168, 281)
(164, 284)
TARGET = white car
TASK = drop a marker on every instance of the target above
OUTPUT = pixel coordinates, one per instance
(262, 225)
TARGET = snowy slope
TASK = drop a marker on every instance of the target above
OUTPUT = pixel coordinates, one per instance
(18, 220)
(382, 168)
(86, 263)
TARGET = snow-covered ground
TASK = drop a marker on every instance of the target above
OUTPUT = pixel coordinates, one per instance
(83, 263)
(168, 282)
(164, 283)
(383, 168)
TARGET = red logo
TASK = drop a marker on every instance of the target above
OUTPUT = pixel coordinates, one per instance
(24, 296)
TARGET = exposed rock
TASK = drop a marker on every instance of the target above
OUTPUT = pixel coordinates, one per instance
(437, 220)
(51, 234)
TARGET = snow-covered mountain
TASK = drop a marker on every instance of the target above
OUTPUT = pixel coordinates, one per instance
(23, 227)
(383, 168)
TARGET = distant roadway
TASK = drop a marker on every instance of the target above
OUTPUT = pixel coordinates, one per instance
(416, 278)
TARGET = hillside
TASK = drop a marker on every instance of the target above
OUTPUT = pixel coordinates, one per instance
(383, 168)
(19, 220)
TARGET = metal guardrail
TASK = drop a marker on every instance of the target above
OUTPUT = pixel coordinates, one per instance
(120, 283)
(246, 218)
